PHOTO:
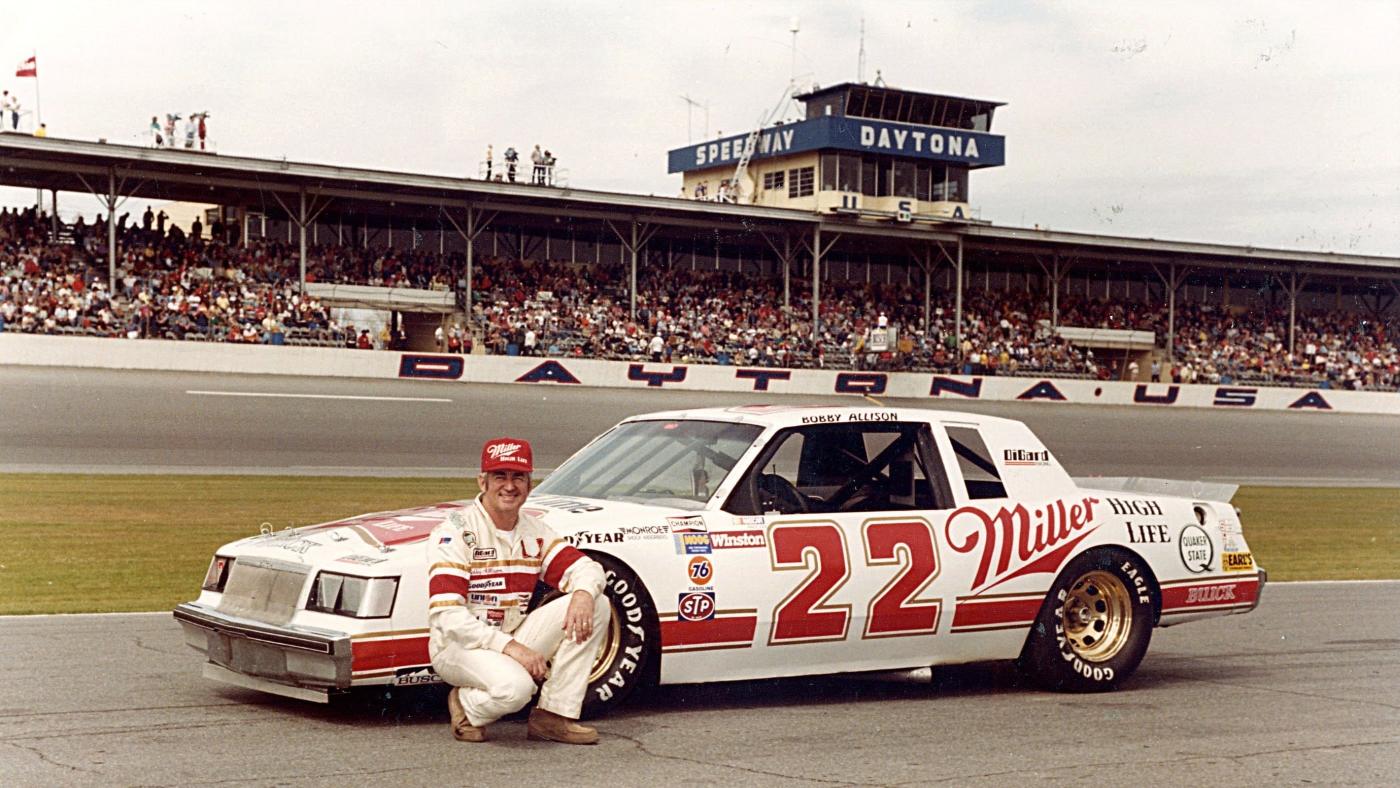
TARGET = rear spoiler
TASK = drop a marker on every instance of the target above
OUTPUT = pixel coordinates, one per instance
(1202, 491)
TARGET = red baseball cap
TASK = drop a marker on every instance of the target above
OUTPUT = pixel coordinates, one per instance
(507, 454)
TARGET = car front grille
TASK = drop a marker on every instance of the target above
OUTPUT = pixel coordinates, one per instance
(264, 589)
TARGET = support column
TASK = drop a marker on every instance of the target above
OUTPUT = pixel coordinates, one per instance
(301, 235)
(1056, 273)
(111, 204)
(785, 254)
(476, 224)
(816, 284)
(818, 250)
(53, 217)
(1293, 287)
(958, 300)
(112, 231)
(929, 265)
(1172, 281)
(637, 237)
(302, 216)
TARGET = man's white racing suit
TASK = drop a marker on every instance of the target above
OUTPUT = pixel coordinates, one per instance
(480, 579)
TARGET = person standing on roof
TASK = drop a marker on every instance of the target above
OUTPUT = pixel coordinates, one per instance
(484, 562)
(537, 158)
(156, 137)
(488, 161)
(512, 157)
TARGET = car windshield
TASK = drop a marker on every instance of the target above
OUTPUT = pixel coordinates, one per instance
(667, 463)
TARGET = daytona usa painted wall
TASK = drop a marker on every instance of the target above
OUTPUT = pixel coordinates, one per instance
(747, 383)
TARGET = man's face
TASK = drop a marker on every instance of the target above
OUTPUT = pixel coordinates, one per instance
(503, 492)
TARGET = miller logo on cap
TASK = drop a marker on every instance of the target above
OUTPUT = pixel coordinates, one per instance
(507, 454)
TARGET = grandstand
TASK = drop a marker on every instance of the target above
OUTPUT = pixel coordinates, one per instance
(908, 277)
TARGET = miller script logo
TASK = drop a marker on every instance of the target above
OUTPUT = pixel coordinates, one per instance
(1018, 541)
(503, 451)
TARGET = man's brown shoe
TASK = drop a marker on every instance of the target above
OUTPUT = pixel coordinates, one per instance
(462, 730)
(548, 726)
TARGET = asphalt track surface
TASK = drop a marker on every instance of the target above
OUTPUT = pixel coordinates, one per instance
(1304, 689)
(75, 420)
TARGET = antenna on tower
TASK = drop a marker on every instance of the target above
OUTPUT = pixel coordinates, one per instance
(860, 60)
(794, 28)
(690, 105)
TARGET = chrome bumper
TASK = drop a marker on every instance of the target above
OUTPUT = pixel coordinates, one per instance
(1259, 595)
(299, 657)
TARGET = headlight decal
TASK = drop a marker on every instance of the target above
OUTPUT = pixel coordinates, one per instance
(349, 595)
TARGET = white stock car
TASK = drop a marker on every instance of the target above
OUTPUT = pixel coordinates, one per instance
(765, 541)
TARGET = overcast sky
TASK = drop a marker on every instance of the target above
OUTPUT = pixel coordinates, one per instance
(1275, 124)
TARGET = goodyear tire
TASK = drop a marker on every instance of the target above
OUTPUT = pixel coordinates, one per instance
(1095, 624)
(630, 654)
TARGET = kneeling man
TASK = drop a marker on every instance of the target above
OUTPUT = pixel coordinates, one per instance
(483, 566)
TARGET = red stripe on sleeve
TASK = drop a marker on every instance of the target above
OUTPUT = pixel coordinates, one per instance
(560, 564)
(447, 584)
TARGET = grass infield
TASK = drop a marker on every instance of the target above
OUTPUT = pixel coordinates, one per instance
(81, 543)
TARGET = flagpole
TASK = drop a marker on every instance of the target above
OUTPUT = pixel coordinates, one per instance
(38, 113)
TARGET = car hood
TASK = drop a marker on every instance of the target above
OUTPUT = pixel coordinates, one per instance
(371, 539)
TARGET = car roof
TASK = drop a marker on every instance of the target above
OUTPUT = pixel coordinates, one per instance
(796, 415)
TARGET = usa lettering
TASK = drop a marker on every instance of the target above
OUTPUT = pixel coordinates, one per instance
(1121, 506)
(1147, 533)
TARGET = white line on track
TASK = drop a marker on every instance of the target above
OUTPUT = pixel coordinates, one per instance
(313, 396)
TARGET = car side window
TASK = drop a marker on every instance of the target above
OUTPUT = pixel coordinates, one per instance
(829, 468)
(979, 470)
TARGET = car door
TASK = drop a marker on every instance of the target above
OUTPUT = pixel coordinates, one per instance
(848, 514)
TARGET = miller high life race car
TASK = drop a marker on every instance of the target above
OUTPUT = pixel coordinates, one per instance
(766, 541)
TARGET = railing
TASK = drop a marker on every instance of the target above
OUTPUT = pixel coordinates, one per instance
(499, 171)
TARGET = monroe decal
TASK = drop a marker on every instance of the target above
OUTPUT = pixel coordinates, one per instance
(1018, 541)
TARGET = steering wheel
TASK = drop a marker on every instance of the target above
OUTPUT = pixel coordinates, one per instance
(852, 490)
(775, 492)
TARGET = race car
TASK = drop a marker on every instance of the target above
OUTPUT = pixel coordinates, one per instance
(768, 541)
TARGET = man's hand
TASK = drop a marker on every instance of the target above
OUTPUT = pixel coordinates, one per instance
(578, 620)
(531, 660)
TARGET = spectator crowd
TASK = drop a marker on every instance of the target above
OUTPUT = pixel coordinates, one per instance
(186, 286)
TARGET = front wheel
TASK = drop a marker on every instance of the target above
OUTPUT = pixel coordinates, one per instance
(630, 654)
(1095, 624)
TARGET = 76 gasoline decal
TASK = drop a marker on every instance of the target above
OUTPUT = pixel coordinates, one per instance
(701, 571)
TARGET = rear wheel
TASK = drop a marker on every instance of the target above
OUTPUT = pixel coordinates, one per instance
(1095, 624)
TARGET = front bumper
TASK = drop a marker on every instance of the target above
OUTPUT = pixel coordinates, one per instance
(304, 660)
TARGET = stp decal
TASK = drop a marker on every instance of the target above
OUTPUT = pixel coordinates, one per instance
(696, 606)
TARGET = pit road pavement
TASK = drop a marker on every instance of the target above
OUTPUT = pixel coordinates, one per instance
(1304, 689)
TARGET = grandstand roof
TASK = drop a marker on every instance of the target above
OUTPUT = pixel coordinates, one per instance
(374, 196)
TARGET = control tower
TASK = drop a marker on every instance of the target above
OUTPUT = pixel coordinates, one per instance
(868, 151)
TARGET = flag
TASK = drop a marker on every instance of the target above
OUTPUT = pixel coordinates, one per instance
(28, 68)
